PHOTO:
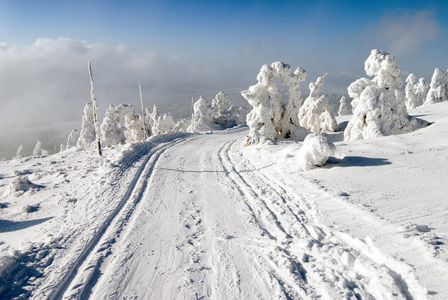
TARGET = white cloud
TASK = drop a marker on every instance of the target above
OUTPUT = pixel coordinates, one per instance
(48, 81)
(405, 32)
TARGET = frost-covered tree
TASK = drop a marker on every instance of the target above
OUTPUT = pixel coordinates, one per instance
(38, 149)
(163, 124)
(19, 154)
(316, 115)
(273, 115)
(414, 92)
(224, 114)
(111, 129)
(344, 107)
(202, 118)
(87, 137)
(438, 88)
(72, 138)
(182, 125)
(421, 90)
(378, 104)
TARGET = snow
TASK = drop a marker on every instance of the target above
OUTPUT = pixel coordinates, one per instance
(198, 215)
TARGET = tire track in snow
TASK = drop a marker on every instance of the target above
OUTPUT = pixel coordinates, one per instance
(317, 260)
(76, 283)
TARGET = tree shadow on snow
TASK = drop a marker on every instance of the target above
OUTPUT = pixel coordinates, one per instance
(358, 161)
(8, 226)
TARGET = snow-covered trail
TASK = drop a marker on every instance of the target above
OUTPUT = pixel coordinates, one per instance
(201, 222)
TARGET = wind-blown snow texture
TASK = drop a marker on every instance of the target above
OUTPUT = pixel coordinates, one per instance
(188, 216)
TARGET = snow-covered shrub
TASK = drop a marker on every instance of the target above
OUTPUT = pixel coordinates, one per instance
(18, 186)
(316, 115)
(223, 113)
(378, 105)
(72, 138)
(163, 124)
(273, 116)
(87, 136)
(344, 107)
(202, 118)
(438, 88)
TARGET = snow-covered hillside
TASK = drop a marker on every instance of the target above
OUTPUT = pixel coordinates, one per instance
(199, 216)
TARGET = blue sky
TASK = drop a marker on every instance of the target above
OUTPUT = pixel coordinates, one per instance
(195, 46)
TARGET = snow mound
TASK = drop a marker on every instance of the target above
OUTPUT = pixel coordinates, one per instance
(315, 151)
(18, 186)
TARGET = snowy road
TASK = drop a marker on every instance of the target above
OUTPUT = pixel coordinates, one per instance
(198, 221)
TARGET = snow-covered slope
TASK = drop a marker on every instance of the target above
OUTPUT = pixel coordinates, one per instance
(197, 216)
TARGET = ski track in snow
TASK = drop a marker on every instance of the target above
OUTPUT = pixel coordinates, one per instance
(191, 218)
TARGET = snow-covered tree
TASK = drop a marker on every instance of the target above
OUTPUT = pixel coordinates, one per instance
(378, 104)
(273, 116)
(19, 154)
(438, 88)
(202, 118)
(412, 98)
(316, 115)
(37, 149)
(111, 129)
(72, 138)
(421, 90)
(344, 107)
(163, 124)
(182, 125)
(224, 114)
(87, 137)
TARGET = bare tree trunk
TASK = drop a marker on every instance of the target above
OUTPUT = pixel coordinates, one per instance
(143, 111)
(95, 115)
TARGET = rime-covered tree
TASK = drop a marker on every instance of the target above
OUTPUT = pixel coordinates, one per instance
(202, 118)
(269, 117)
(315, 114)
(345, 107)
(378, 104)
(412, 99)
(72, 138)
(87, 137)
(111, 129)
(421, 90)
(19, 154)
(163, 124)
(438, 88)
(37, 149)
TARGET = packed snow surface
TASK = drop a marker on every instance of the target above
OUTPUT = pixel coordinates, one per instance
(199, 216)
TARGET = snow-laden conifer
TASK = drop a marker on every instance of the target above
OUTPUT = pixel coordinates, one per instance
(72, 138)
(269, 117)
(315, 114)
(163, 124)
(345, 107)
(202, 118)
(19, 154)
(112, 130)
(438, 88)
(421, 90)
(378, 104)
(409, 90)
(38, 149)
(87, 136)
